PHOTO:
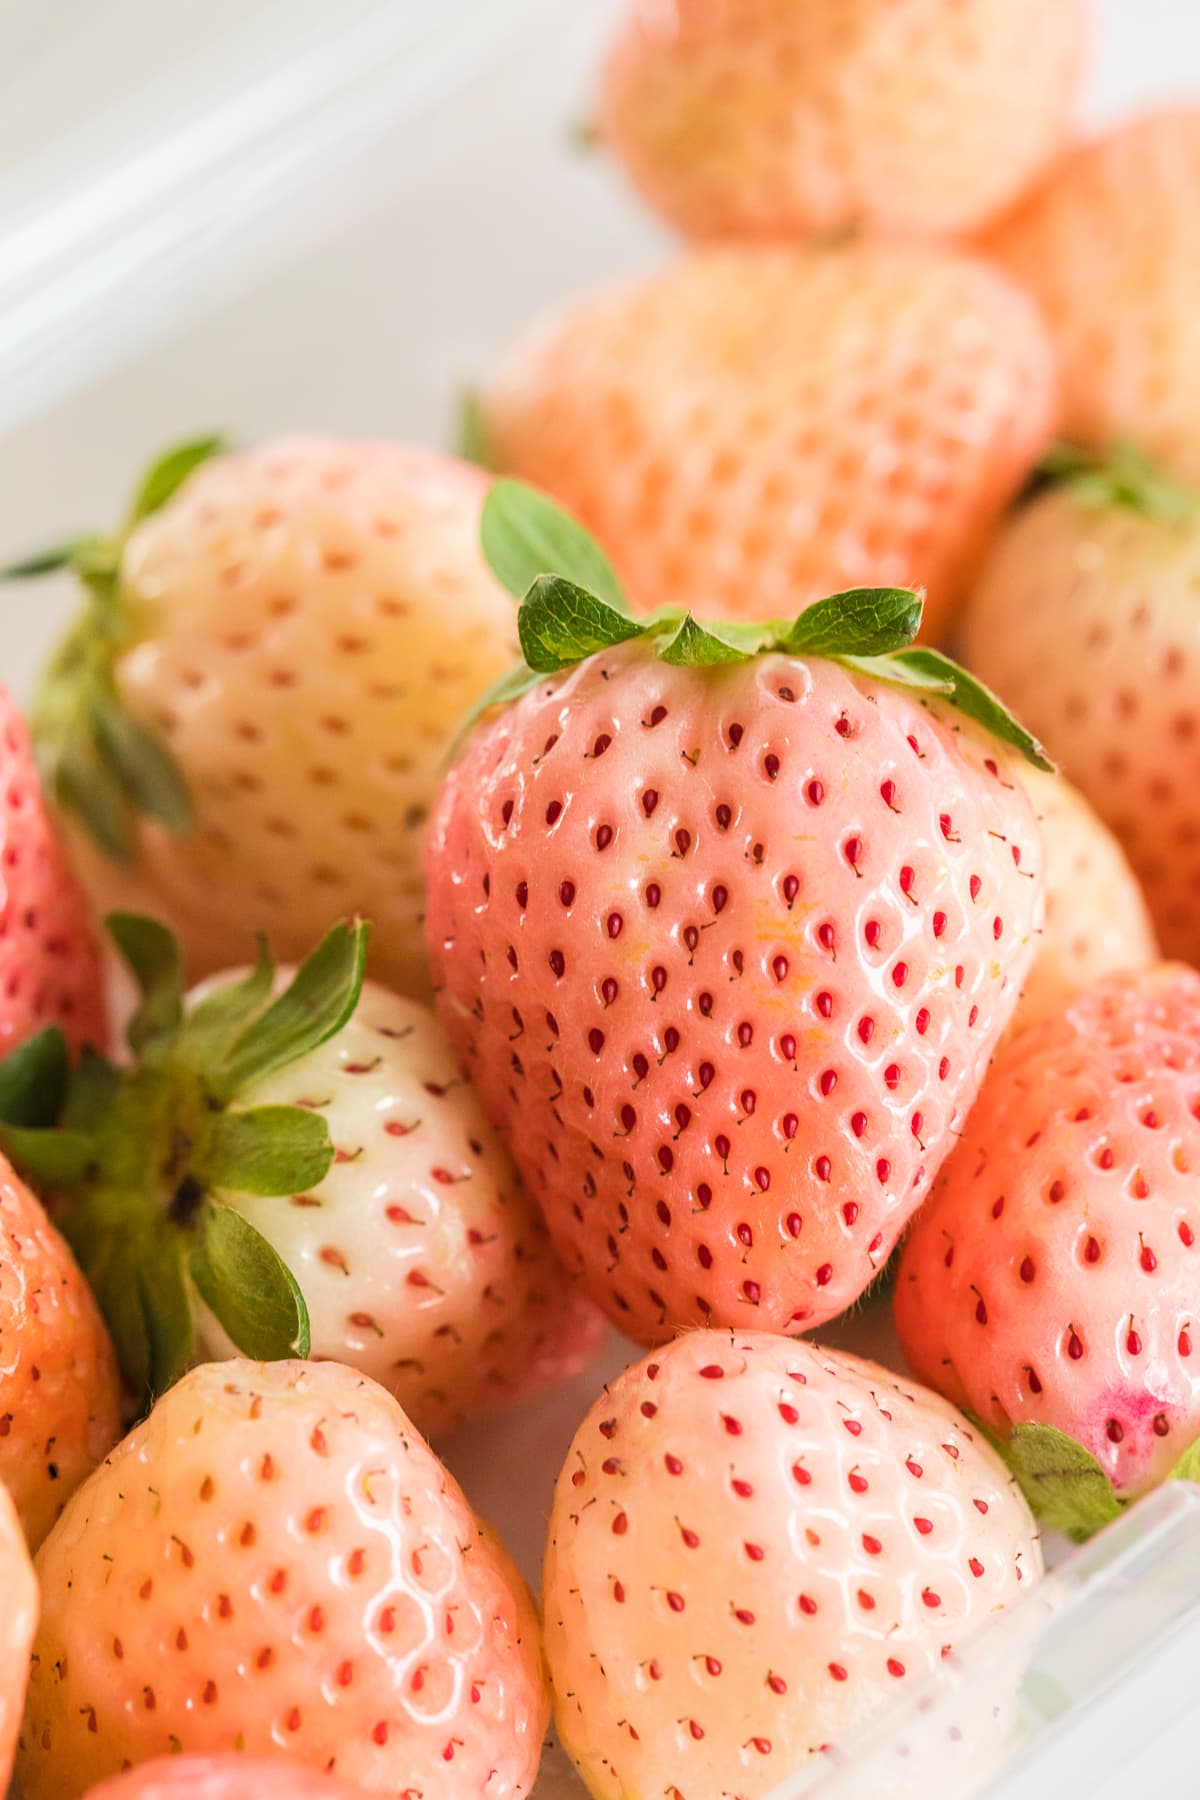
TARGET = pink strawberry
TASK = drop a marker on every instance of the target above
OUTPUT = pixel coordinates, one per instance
(754, 1544)
(59, 1396)
(18, 1618)
(754, 427)
(783, 117)
(233, 1777)
(308, 1175)
(275, 1561)
(725, 932)
(49, 956)
(1096, 917)
(1082, 617)
(1053, 1277)
(247, 722)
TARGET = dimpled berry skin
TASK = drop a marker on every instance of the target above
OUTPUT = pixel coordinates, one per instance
(18, 1617)
(751, 429)
(423, 1263)
(755, 1544)
(49, 957)
(59, 1392)
(1109, 248)
(1054, 1274)
(309, 620)
(1083, 618)
(221, 1778)
(1096, 918)
(725, 953)
(788, 117)
(275, 1561)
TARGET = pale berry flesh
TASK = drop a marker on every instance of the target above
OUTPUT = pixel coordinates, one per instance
(778, 118)
(308, 620)
(750, 429)
(60, 1404)
(755, 1544)
(232, 1777)
(725, 953)
(1053, 1276)
(275, 1561)
(422, 1261)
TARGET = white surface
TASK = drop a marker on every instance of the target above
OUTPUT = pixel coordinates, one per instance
(174, 256)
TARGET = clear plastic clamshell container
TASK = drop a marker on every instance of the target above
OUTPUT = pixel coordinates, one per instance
(276, 214)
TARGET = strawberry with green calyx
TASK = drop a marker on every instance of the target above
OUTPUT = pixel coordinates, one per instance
(725, 923)
(150, 1160)
(245, 726)
(1051, 1282)
(1082, 616)
(95, 758)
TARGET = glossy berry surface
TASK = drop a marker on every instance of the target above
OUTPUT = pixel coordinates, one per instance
(755, 1544)
(422, 1261)
(725, 953)
(752, 428)
(274, 1561)
(234, 1777)
(1054, 1274)
(781, 118)
(59, 1391)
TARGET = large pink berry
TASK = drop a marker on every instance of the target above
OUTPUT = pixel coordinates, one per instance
(275, 1561)
(18, 1617)
(1053, 1277)
(754, 1544)
(725, 951)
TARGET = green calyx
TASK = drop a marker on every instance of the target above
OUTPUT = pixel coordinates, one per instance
(95, 760)
(1065, 1486)
(149, 1160)
(1122, 476)
(573, 607)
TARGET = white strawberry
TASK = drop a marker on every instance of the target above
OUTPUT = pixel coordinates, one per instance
(308, 1174)
(754, 1544)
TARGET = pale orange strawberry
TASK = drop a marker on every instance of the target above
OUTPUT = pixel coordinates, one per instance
(18, 1619)
(298, 628)
(275, 1561)
(231, 1777)
(771, 117)
(752, 428)
(59, 1396)
(1096, 917)
(1109, 248)
(1083, 618)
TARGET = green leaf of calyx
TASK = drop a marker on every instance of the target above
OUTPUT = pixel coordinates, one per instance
(1065, 1486)
(167, 474)
(167, 1313)
(969, 695)
(1188, 1466)
(82, 781)
(510, 687)
(268, 1150)
(152, 954)
(51, 1161)
(523, 534)
(213, 1026)
(1122, 476)
(48, 562)
(859, 622)
(318, 1001)
(33, 1079)
(248, 1287)
(560, 625)
(697, 646)
(472, 441)
(145, 769)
